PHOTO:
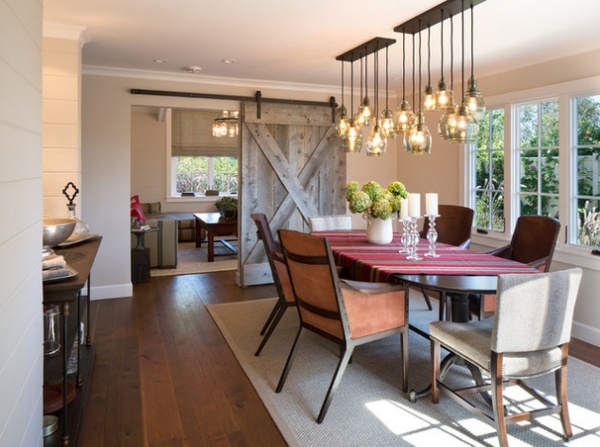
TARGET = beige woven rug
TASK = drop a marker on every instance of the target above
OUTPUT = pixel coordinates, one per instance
(192, 260)
(369, 409)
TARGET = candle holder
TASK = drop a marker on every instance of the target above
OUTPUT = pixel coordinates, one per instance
(405, 237)
(432, 236)
(414, 239)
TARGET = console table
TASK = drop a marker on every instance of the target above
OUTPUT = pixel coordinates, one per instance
(80, 257)
(214, 224)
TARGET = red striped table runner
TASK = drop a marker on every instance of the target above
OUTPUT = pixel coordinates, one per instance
(375, 263)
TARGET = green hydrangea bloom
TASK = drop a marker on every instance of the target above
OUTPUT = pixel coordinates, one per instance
(359, 202)
(373, 189)
(351, 188)
(398, 189)
(381, 207)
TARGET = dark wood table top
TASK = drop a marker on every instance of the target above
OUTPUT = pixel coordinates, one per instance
(213, 219)
(79, 257)
(459, 284)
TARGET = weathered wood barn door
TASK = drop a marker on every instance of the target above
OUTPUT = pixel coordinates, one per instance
(292, 168)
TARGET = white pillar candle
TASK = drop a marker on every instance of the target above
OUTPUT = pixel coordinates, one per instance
(431, 204)
(403, 209)
(414, 205)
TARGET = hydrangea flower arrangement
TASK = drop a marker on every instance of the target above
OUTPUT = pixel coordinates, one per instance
(374, 200)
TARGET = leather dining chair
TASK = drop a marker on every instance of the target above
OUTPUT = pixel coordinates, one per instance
(453, 228)
(532, 243)
(285, 295)
(527, 337)
(348, 313)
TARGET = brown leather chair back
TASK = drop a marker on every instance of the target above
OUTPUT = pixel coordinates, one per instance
(534, 240)
(310, 268)
(453, 226)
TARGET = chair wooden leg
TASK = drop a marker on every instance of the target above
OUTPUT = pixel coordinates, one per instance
(427, 300)
(335, 381)
(290, 360)
(280, 311)
(271, 316)
(560, 380)
(435, 371)
(404, 359)
(497, 398)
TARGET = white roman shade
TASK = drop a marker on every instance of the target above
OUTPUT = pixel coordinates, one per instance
(191, 134)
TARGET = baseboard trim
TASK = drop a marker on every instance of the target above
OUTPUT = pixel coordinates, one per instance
(111, 291)
(586, 333)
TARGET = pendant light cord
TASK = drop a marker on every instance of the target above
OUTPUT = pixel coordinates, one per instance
(462, 15)
(420, 39)
(403, 65)
(472, 34)
(386, 76)
(428, 55)
(442, 41)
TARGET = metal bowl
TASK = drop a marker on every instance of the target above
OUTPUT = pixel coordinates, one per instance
(57, 231)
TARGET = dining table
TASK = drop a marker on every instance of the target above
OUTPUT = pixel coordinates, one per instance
(457, 271)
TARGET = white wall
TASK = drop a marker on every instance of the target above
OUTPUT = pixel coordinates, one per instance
(21, 358)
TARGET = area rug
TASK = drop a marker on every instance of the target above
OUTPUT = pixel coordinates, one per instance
(369, 409)
(191, 259)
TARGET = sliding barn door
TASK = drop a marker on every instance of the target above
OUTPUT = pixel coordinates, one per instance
(292, 168)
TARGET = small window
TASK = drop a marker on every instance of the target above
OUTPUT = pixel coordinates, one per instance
(488, 162)
(537, 148)
(586, 169)
(197, 174)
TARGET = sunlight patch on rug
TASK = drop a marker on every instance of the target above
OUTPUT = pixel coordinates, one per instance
(192, 260)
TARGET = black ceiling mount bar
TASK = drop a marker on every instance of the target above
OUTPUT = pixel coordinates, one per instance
(433, 17)
(373, 45)
(258, 98)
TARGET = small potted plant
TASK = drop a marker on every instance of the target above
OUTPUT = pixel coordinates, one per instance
(227, 207)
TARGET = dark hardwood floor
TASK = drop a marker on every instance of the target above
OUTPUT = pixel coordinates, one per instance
(164, 375)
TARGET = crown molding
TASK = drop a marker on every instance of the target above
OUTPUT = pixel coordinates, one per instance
(255, 84)
(67, 32)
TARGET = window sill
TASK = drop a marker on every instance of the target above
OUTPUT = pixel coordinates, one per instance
(196, 199)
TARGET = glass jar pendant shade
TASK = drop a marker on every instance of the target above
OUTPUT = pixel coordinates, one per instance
(444, 96)
(352, 140)
(474, 100)
(364, 113)
(387, 124)
(462, 127)
(404, 117)
(447, 120)
(342, 122)
(419, 140)
(377, 143)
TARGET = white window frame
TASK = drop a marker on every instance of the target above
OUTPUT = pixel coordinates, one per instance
(564, 92)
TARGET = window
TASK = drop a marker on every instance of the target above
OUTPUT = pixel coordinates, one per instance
(538, 152)
(199, 173)
(488, 161)
(586, 169)
(537, 148)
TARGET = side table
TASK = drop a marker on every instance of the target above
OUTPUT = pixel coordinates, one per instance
(140, 256)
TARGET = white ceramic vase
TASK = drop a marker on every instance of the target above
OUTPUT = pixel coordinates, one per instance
(379, 231)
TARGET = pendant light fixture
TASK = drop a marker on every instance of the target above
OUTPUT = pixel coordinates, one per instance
(404, 113)
(226, 124)
(473, 98)
(443, 96)
(342, 118)
(429, 100)
(449, 114)
(352, 139)
(364, 111)
(464, 128)
(388, 127)
(418, 141)
(377, 142)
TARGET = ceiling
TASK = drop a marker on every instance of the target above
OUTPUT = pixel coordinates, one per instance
(285, 41)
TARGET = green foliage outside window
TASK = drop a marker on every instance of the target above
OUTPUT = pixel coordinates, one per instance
(198, 174)
(588, 170)
(489, 172)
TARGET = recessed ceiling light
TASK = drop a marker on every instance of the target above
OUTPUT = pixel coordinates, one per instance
(229, 61)
(194, 69)
(160, 61)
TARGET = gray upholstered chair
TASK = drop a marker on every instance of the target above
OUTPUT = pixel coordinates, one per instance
(349, 313)
(337, 222)
(528, 337)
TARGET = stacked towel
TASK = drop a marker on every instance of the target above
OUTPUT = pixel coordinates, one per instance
(54, 266)
(53, 261)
